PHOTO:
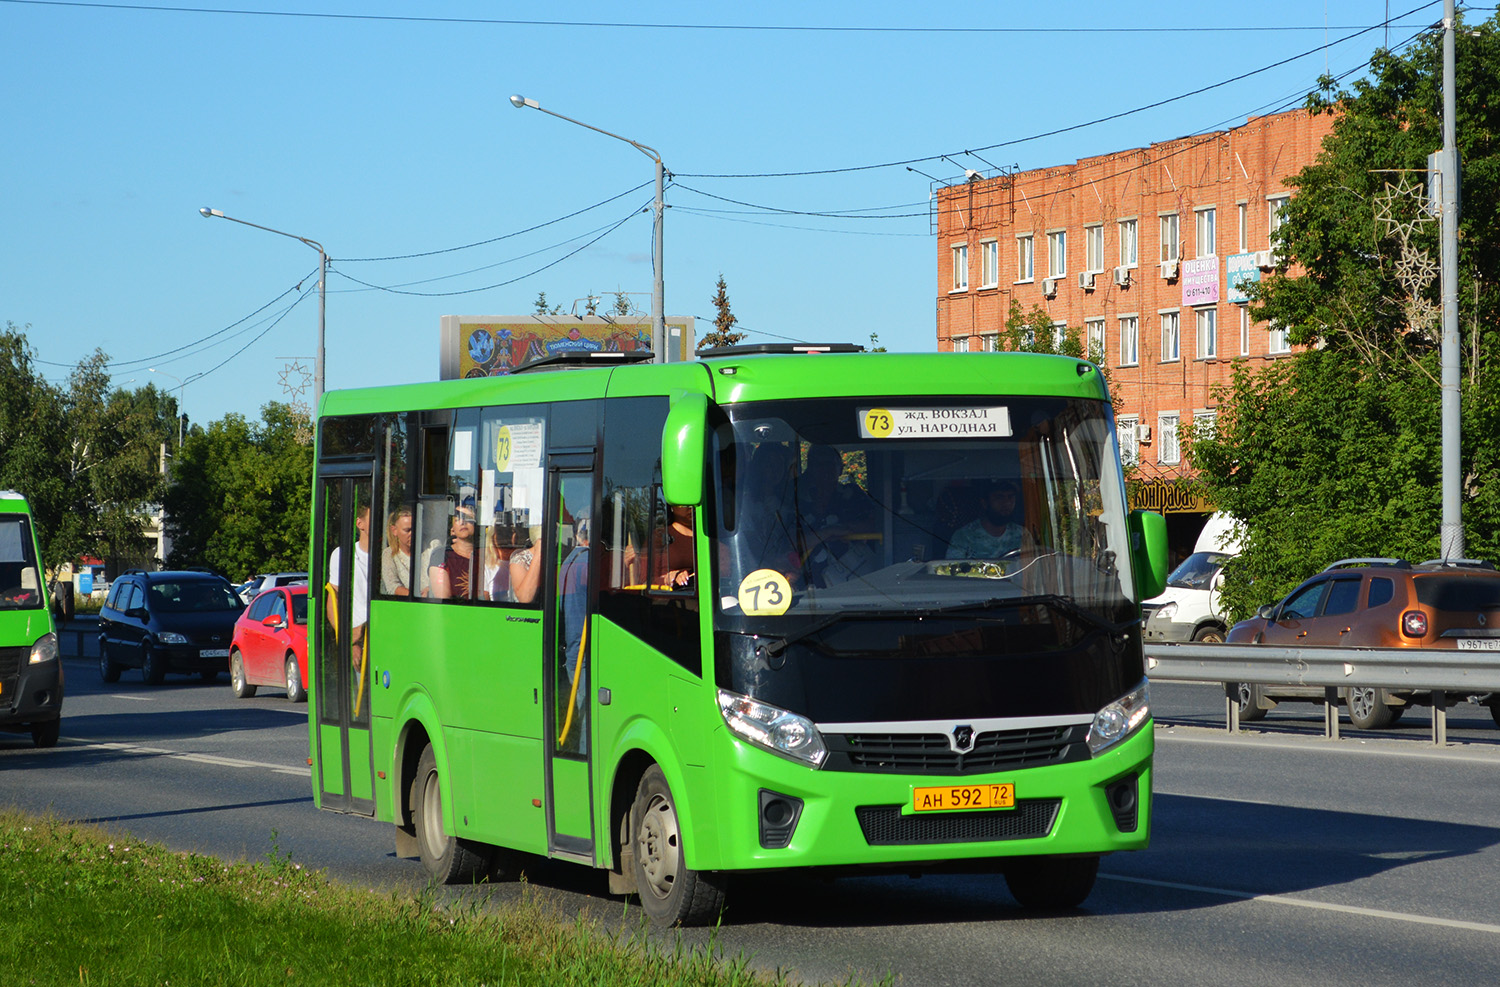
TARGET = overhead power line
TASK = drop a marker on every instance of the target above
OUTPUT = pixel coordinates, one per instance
(683, 26)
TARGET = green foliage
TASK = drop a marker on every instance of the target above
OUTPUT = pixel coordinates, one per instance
(240, 497)
(541, 305)
(723, 333)
(1033, 332)
(86, 456)
(1335, 452)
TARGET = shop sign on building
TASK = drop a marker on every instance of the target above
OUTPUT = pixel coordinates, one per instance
(1166, 497)
(1200, 281)
(1240, 269)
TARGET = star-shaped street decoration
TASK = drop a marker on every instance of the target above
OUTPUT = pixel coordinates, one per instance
(295, 378)
(1401, 208)
(1416, 270)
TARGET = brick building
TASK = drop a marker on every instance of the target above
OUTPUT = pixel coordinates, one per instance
(1141, 252)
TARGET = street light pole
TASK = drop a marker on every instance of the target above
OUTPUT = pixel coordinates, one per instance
(658, 316)
(180, 385)
(207, 213)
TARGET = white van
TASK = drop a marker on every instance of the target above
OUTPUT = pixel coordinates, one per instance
(1188, 609)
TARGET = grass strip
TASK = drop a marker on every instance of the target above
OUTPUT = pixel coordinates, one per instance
(85, 906)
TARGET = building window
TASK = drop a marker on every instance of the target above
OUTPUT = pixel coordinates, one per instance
(1130, 449)
(1127, 243)
(989, 263)
(960, 344)
(1169, 241)
(1208, 333)
(1059, 336)
(1057, 253)
(1244, 330)
(961, 267)
(1207, 232)
(1205, 424)
(1278, 340)
(1095, 328)
(1276, 214)
(1171, 337)
(1130, 341)
(1025, 258)
(1093, 248)
(1168, 449)
(1243, 209)
(989, 342)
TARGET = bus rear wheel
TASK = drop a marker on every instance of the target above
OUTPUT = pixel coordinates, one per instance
(1051, 883)
(671, 893)
(448, 859)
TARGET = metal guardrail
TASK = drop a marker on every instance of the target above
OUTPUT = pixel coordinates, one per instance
(1443, 673)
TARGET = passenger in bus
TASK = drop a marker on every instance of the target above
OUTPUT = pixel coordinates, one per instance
(453, 577)
(766, 513)
(830, 518)
(359, 613)
(509, 576)
(996, 532)
(572, 591)
(395, 559)
(677, 555)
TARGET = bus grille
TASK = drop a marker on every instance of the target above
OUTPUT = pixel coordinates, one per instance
(884, 825)
(931, 754)
(11, 660)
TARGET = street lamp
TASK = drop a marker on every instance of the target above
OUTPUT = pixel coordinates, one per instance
(658, 318)
(208, 213)
(180, 385)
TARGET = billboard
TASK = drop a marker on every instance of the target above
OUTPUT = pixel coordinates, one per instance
(494, 345)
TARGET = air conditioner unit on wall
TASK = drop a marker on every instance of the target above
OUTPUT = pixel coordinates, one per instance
(1143, 433)
(1086, 280)
(1122, 276)
(1264, 260)
(1049, 287)
(1169, 270)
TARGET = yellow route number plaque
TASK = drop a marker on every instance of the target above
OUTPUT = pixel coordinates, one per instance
(765, 593)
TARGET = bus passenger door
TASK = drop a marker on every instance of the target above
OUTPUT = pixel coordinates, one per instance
(569, 605)
(341, 657)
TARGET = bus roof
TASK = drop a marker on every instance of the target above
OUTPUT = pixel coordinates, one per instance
(752, 377)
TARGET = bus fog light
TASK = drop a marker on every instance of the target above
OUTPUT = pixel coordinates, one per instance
(773, 728)
(1120, 719)
(45, 649)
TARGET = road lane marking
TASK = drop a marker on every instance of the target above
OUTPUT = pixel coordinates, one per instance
(214, 759)
(139, 699)
(1281, 899)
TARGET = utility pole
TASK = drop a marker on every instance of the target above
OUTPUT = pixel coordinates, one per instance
(1452, 531)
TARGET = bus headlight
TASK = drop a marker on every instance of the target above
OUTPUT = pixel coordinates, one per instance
(773, 728)
(1120, 719)
(45, 649)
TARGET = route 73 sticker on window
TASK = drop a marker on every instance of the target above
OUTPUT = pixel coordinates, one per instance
(933, 423)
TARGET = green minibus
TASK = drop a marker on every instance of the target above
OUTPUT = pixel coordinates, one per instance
(31, 674)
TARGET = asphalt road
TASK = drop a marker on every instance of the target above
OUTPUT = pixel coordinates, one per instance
(1277, 857)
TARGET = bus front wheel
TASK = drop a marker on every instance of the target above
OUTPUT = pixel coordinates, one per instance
(671, 893)
(448, 859)
(1051, 883)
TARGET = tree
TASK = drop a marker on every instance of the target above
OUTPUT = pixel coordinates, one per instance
(1336, 452)
(541, 305)
(723, 333)
(240, 497)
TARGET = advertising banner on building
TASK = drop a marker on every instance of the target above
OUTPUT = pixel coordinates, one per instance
(494, 345)
(1200, 281)
(1239, 269)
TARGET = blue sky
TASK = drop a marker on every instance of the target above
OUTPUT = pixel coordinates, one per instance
(390, 134)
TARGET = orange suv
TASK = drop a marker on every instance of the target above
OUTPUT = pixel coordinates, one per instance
(1376, 603)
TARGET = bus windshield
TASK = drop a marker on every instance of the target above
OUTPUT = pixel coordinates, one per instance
(918, 506)
(20, 585)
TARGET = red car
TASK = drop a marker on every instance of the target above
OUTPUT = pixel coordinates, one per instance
(270, 644)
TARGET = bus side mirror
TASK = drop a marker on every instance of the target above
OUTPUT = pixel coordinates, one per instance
(684, 450)
(1148, 552)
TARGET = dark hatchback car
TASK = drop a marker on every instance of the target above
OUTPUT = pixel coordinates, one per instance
(164, 622)
(1376, 603)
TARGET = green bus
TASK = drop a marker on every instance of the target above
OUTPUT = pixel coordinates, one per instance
(31, 674)
(776, 607)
